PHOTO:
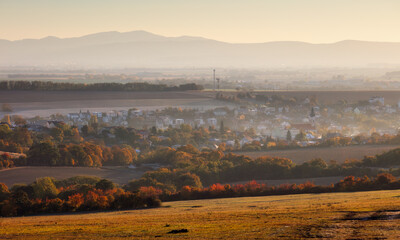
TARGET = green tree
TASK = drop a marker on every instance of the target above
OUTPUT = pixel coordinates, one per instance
(301, 136)
(312, 114)
(105, 184)
(57, 134)
(289, 136)
(22, 136)
(44, 153)
(45, 188)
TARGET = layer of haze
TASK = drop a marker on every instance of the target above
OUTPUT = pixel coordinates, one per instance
(316, 21)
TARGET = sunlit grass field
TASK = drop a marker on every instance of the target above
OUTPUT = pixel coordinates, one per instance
(361, 215)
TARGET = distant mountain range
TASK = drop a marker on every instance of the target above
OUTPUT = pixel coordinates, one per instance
(144, 49)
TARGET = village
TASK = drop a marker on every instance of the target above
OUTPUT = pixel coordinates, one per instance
(300, 122)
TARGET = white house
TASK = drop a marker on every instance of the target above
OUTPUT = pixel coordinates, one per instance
(73, 116)
(112, 114)
(124, 113)
(375, 100)
(269, 110)
(199, 122)
(220, 112)
(98, 114)
(179, 121)
(136, 113)
(159, 124)
(212, 121)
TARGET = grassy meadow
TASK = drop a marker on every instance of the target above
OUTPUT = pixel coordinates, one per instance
(360, 215)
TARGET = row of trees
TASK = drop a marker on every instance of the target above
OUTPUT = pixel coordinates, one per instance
(46, 195)
(84, 154)
(61, 146)
(348, 184)
(63, 86)
(208, 167)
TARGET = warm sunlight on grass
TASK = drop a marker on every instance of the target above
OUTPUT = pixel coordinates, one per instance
(359, 215)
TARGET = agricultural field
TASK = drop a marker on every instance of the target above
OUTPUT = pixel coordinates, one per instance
(44, 104)
(120, 175)
(339, 154)
(360, 215)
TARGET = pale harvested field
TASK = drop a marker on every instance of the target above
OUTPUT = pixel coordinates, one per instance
(27, 175)
(361, 215)
(340, 154)
(45, 103)
(61, 96)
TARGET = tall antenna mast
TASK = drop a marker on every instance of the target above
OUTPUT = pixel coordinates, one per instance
(214, 78)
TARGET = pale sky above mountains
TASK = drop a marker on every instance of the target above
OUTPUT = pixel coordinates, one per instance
(315, 21)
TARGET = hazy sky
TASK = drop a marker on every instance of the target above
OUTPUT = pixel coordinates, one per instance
(226, 20)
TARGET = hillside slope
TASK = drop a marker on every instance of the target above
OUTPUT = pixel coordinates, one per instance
(361, 215)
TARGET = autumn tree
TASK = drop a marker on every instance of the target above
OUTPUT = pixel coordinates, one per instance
(44, 153)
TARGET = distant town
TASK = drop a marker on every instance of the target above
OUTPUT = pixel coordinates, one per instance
(252, 122)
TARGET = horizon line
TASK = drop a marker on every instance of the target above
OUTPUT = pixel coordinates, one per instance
(204, 38)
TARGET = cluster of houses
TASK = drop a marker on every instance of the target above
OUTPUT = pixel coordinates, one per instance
(112, 117)
(264, 120)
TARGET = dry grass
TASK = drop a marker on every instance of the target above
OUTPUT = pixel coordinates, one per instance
(332, 216)
(340, 154)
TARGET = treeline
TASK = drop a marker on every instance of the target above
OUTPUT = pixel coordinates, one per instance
(47, 195)
(208, 167)
(63, 86)
(60, 146)
(63, 146)
(386, 159)
(85, 154)
(348, 184)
